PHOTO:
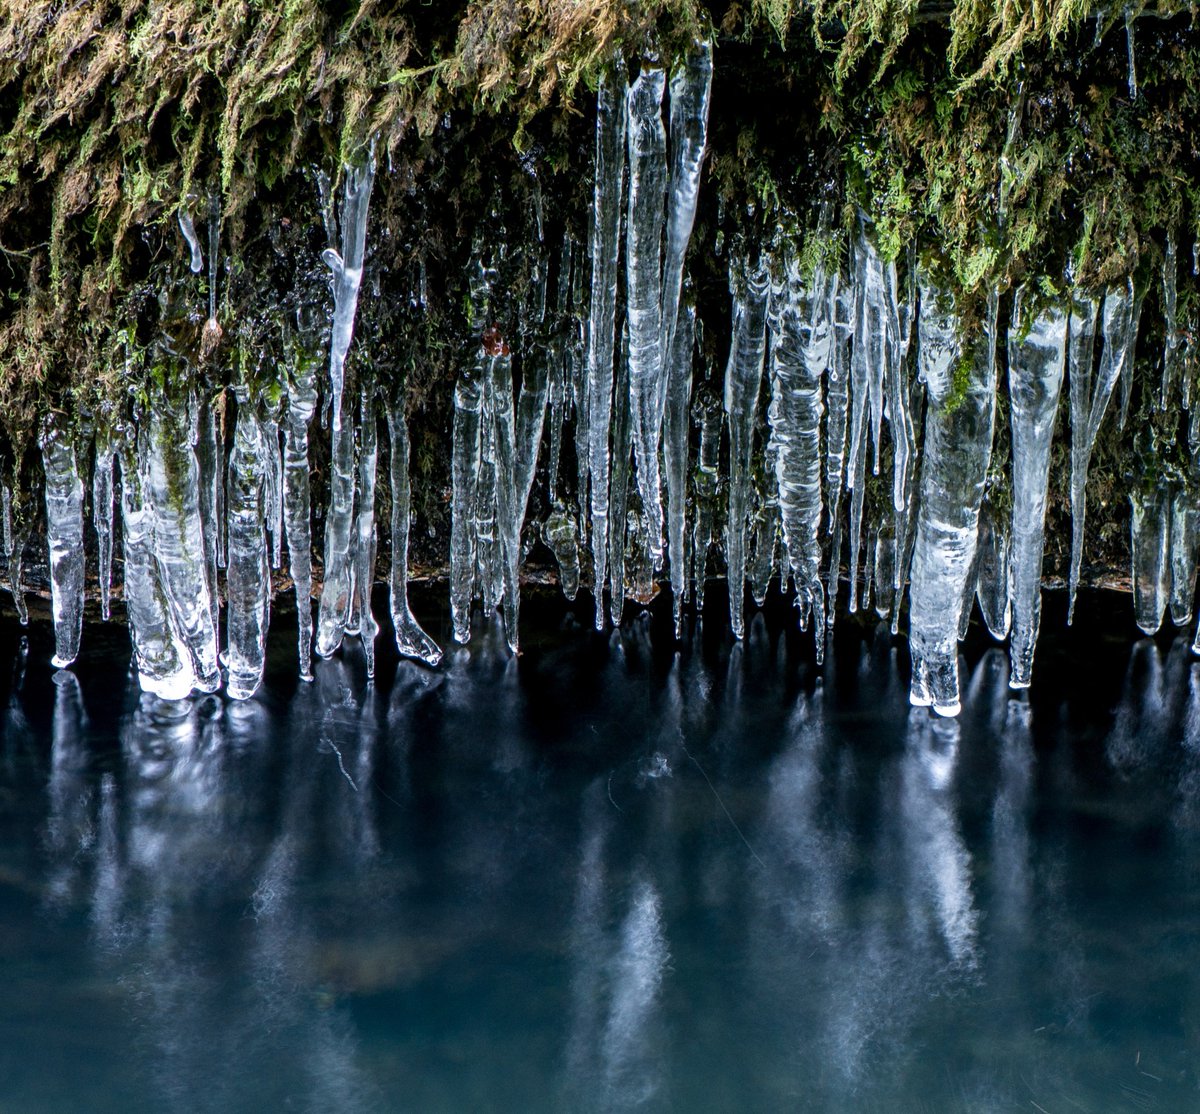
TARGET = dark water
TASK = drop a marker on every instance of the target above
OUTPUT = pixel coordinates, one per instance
(606, 877)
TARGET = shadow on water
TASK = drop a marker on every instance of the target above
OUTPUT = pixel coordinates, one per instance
(613, 874)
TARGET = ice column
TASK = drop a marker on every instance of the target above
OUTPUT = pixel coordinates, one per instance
(247, 577)
(411, 640)
(64, 534)
(601, 333)
(958, 447)
(743, 379)
(1036, 355)
(643, 262)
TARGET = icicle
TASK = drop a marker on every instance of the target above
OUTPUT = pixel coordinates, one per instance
(1130, 17)
(1036, 355)
(706, 482)
(510, 481)
(164, 664)
(274, 488)
(802, 335)
(465, 470)
(172, 486)
(1126, 380)
(675, 453)
(297, 506)
(764, 534)
(991, 583)
(364, 556)
(606, 228)
(64, 535)
(691, 90)
(639, 575)
(411, 640)
(16, 534)
(643, 263)
(6, 515)
(1150, 535)
(743, 379)
(837, 393)
(561, 534)
(208, 460)
(1185, 548)
(102, 517)
(560, 379)
(1172, 347)
(347, 268)
(1089, 400)
(188, 228)
(885, 572)
(489, 557)
(958, 446)
(247, 577)
(618, 495)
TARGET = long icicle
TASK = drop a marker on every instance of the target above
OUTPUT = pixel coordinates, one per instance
(601, 333)
(297, 496)
(677, 432)
(364, 555)
(64, 534)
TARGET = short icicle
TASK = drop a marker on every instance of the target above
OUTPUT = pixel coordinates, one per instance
(64, 535)
(750, 288)
(1036, 358)
(1150, 537)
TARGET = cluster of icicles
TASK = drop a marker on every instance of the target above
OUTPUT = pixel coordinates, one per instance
(839, 350)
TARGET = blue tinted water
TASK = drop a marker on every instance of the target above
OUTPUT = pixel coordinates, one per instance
(605, 877)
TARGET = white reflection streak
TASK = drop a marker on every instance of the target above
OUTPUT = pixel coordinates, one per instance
(70, 831)
(939, 863)
(1011, 849)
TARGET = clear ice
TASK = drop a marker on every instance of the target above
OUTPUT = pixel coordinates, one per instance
(64, 533)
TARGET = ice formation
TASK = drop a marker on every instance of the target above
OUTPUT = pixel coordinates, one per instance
(582, 399)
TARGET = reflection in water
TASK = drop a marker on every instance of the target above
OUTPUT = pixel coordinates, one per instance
(607, 876)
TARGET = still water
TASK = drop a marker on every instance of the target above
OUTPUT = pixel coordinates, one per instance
(606, 876)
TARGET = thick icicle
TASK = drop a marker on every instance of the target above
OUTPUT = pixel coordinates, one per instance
(750, 288)
(677, 431)
(761, 563)
(800, 352)
(247, 577)
(601, 332)
(561, 534)
(102, 517)
(1089, 400)
(172, 485)
(643, 264)
(164, 664)
(188, 228)
(1036, 356)
(691, 89)
(958, 446)
(411, 640)
(347, 271)
(64, 534)
(297, 505)
(465, 466)
(1150, 535)
(1185, 549)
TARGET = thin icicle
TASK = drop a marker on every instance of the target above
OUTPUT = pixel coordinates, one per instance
(247, 577)
(643, 265)
(465, 469)
(102, 517)
(706, 483)
(1150, 536)
(297, 505)
(764, 533)
(16, 535)
(1130, 18)
(1036, 355)
(411, 639)
(1089, 400)
(677, 432)
(188, 228)
(618, 495)
(274, 488)
(802, 339)
(601, 332)
(750, 288)
(208, 459)
(510, 483)
(837, 393)
(958, 445)
(992, 569)
(64, 535)
(164, 664)
(172, 485)
(1172, 341)
(364, 556)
